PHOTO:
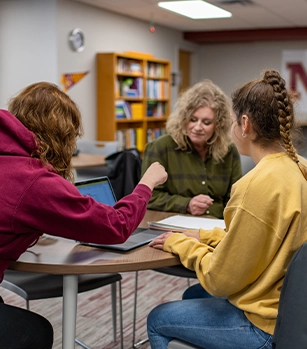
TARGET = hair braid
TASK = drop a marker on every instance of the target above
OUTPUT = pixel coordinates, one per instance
(285, 114)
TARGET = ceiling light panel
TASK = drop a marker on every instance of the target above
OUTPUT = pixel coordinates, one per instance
(195, 9)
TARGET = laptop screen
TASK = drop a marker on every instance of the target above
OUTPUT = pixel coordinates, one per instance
(99, 189)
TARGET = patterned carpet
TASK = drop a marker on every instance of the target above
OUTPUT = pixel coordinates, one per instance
(94, 318)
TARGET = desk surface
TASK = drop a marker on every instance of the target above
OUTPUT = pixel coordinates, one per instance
(83, 160)
(62, 256)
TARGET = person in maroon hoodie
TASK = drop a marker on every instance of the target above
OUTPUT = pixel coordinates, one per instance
(38, 137)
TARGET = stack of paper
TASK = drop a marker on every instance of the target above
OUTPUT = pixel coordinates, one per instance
(184, 223)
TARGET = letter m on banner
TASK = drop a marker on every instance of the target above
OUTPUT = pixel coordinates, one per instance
(294, 70)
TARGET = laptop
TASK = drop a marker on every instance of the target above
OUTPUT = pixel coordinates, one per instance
(100, 189)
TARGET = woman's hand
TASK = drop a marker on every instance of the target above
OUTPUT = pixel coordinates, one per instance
(159, 241)
(154, 175)
(199, 204)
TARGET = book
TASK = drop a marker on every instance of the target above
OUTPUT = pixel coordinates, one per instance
(127, 109)
(139, 139)
(137, 110)
(119, 110)
(122, 109)
(180, 223)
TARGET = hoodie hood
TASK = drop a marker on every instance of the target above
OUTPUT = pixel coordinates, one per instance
(15, 138)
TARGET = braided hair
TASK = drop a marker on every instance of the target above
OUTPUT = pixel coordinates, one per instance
(269, 105)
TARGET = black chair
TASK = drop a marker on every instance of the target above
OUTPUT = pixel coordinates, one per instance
(124, 171)
(34, 286)
(291, 325)
(178, 270)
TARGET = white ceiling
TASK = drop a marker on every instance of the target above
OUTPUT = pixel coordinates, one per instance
(246, 14)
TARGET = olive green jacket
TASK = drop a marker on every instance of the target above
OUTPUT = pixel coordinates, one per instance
(189, 175)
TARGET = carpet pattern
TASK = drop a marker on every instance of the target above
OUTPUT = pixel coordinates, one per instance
(94, 314)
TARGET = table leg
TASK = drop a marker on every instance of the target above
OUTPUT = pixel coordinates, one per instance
(70, 294)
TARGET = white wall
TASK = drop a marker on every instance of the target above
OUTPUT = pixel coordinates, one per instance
(28, 45)
(34, 37)
(109, 32)
(231, 65)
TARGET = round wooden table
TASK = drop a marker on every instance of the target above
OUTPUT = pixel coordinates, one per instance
(56, 255)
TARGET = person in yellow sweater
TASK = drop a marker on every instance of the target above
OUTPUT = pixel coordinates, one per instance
(241, 269)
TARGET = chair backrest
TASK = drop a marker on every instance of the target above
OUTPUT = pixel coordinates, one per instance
(291, 325)
(97, 147)
(125, 171)
(246, 163)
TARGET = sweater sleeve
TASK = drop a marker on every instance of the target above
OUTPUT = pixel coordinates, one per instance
(227, 266)
(211, 237)
(54, 206)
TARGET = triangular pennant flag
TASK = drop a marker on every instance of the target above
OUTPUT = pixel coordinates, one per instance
(70, 79)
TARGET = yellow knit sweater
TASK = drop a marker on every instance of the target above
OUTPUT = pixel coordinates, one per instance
(266, 222)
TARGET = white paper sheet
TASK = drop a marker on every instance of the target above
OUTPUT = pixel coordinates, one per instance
(188, 222)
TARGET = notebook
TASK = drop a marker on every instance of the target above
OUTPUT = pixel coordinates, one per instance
(100, 189)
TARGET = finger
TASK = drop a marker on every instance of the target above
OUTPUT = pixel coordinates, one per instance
(158, 247)
(155, 242)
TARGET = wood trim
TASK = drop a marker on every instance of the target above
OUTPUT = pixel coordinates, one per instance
(232, 36)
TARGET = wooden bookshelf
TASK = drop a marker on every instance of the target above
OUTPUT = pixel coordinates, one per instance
(133, 97)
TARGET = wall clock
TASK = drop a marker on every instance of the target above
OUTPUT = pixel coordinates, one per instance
(76, 40)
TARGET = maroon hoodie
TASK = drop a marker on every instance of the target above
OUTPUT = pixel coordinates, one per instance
(34, 200)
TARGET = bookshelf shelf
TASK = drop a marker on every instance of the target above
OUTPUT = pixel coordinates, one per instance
(123, 121)
(132, 75)
(133, 97)
(150, 77)
(152, 118)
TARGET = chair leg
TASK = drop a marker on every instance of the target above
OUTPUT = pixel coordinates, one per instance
(113, 295)
(81, 344)
(143, 341)
(121, 327)
(134, 309)
(113, 291)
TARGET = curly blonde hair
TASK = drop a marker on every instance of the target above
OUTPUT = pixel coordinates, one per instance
(203, 94)
(55, 121)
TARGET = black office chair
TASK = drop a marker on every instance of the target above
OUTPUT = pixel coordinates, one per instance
(124, 171)
(291, 325)
(178, 270)
(34, 286)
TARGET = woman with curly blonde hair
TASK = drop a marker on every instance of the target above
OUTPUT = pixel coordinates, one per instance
(198, 154)
(38, 137)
